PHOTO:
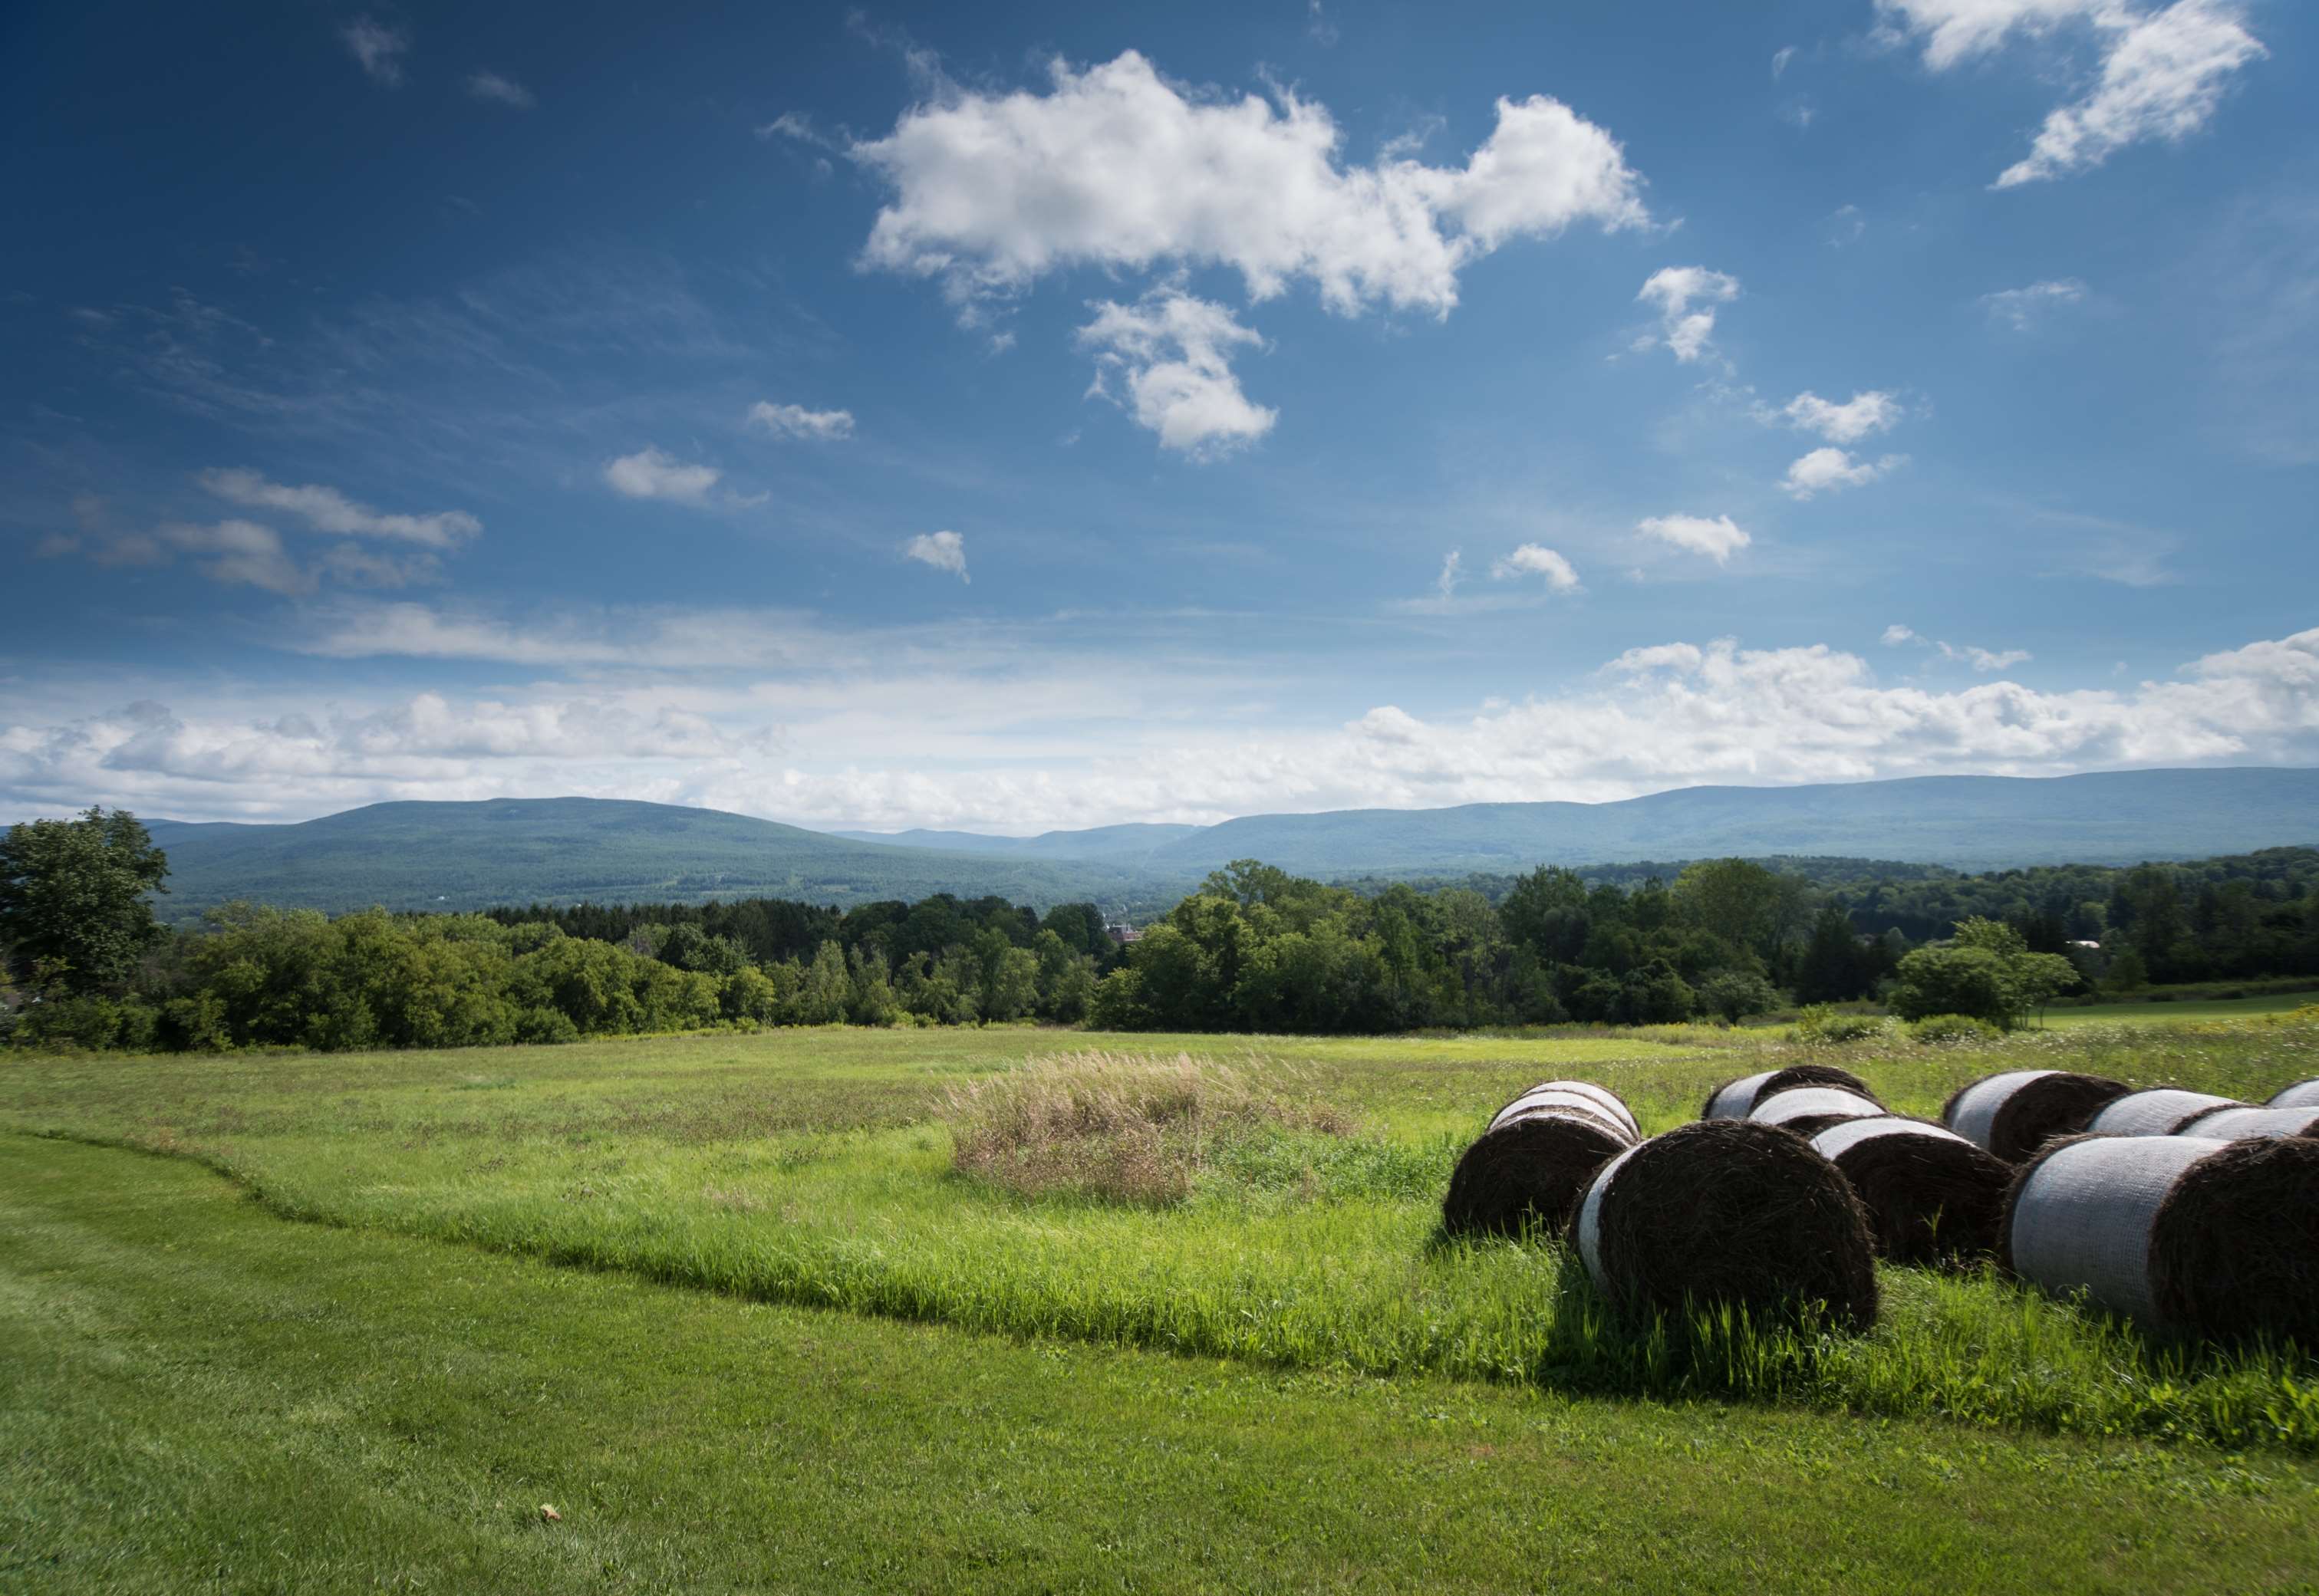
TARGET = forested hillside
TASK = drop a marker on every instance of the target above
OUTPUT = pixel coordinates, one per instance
(461, 856)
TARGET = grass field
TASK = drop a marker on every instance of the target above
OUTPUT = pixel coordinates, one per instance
(199, 1396)
(1307, 1307)
(2162, 1014)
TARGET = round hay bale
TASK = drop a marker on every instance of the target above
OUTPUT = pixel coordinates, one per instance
(2184, 1234)
(1799, 1103)
(1529, 1170)
(1603, 1102)
(1727, 1212)
(1931, 1196)
(1734, 1098)
(2235, 1124)
(2159, 1112)
(2015, 1113)
(2303, 1093)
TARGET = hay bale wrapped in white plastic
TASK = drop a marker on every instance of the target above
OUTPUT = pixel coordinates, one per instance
(2159, 1112)
(1725, 1213)
(2232, 1124)
(1735, 1098)
(2303, 1093)
(2015, 1113)
(1808, 1110)
(2183, 1234)
(1528, 1170)
(1931, 1196)
(1602, 1101)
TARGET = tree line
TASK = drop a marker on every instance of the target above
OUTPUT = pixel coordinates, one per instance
(1252, 948)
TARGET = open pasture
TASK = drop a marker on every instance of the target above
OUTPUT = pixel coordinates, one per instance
(814, 1169)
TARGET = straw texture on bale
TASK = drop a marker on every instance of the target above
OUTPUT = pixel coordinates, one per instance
(1799, 1103)
(1931, 1196)
(1529, 1171)
(2185, 1234)
(1734, 1098)
(2303, 1093)
(2015, 1113)
(1603, 1102)
(1727, 1212)
(2232, 1124)
(2159, 1112)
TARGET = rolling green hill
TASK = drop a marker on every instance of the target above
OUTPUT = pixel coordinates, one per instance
(470, 855)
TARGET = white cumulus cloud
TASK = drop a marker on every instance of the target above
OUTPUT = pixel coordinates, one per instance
(2162, 73)
(1686, 297)
(1535, 560)
(794, 420)
(944, 550)
(1718, 538)
(1167, 359)
(1855, 419)
(1113, 166)
(1825, 469)
(1672, 714)
(649, 474)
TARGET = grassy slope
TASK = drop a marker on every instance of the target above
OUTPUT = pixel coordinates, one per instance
(801, 1167)
(201, 1397)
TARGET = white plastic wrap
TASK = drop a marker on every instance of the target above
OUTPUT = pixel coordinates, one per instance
(2159, 1112)
(1598, 1101)
(2081, 1220)
(1973, 1115)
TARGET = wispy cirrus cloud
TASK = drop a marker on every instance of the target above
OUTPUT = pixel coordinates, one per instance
(2028, 308)
(2162, 72)
(380, 49)
(500, 90)
(794, 420)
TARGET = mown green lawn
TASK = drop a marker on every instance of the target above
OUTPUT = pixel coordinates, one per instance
(196, 1395)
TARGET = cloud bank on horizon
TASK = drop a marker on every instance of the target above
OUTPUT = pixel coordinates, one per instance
(1314, 448)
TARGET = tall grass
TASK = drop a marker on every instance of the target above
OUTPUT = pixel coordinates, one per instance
(1127, 1127)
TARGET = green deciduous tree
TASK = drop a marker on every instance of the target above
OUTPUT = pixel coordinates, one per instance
(74, 898)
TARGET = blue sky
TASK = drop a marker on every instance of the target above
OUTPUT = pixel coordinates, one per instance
(1029, 418)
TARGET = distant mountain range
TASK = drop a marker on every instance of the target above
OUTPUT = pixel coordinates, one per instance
(516, 850)
(467, 855)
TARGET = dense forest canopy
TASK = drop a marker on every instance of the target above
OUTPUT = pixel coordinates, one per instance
(1253, 948)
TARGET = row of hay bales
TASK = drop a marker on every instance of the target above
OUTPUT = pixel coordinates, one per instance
(2191, 1214)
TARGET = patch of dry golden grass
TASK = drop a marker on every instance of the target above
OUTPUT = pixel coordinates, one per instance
(1129, 1128)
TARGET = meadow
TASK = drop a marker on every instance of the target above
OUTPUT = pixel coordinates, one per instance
(806, 1177)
